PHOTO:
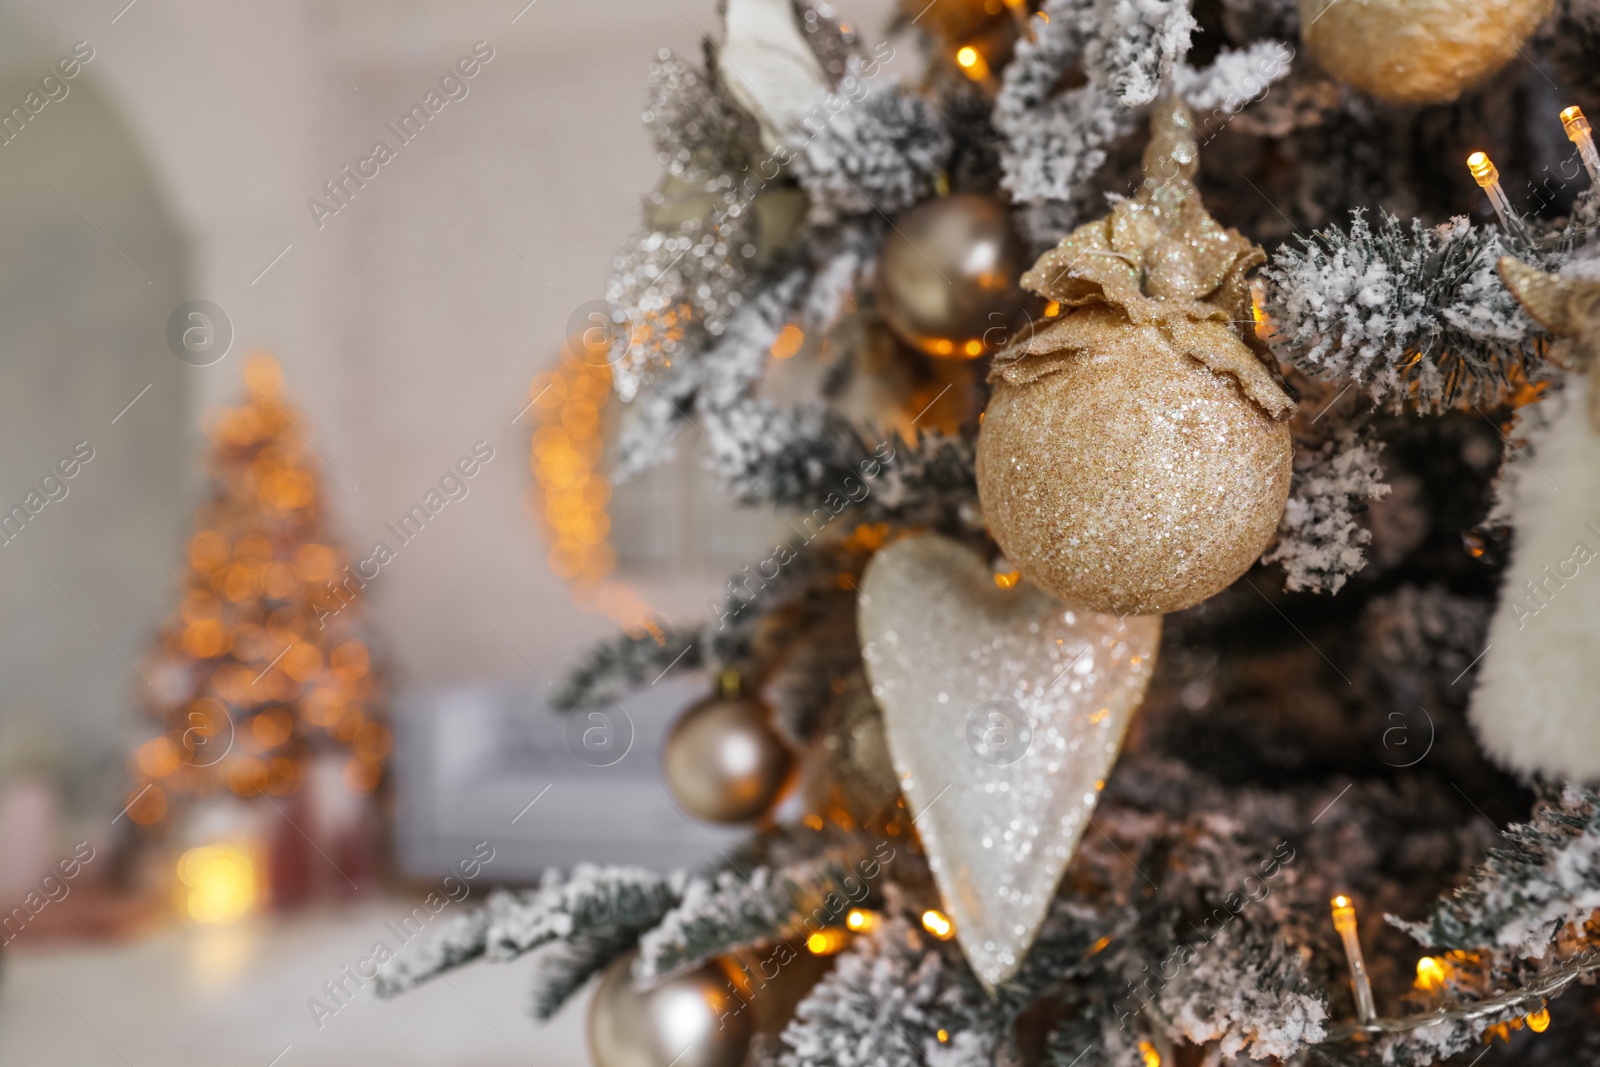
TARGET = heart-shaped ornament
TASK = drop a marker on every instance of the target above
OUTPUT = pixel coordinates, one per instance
(1005, 710)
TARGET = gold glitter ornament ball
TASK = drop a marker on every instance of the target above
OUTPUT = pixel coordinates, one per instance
(947, 275)
(723, 761)
(1417, 51)
(1135, 456)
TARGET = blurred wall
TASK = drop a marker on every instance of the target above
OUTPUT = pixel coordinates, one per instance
(409, 323)
(91, 262)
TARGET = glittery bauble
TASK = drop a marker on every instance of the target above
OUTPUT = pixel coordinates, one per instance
(1135, 456)
(690, 1020)
(723, 761)
(947, 275)
(1417, 51)
(1005, 710)
(1135, 480)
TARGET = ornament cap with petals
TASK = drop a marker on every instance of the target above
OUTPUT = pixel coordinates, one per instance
(1159, 259)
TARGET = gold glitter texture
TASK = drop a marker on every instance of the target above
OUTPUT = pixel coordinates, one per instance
(947, 652)
(1135, 456)
(1417, 51)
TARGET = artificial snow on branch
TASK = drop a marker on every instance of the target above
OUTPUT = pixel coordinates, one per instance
(616, 668)
(1524, 897)
(732, 908)
(1320, 544)
(1414, 315)
(610, 905)
(880, 1006)
(881, 152)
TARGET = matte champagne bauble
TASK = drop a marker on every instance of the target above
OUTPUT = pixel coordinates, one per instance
(1417, 51)
(690, 1020)
(1135, 456)
(947, 276)
(723, 761)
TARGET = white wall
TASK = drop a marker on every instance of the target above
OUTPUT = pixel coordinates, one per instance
(411, 324)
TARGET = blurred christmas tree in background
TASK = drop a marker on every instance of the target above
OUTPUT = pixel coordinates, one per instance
(263, 681)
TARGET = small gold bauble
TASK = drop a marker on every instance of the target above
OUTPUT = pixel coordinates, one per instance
(691, 1020)
(1135, 456)
(1137, 483)
(947, 276)
(723, 761)
(1417, 51)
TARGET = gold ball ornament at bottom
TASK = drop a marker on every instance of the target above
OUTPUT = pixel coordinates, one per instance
(1132, 485)
(947, 275)
(1417, 51)
(724, 763)
(687, 1021)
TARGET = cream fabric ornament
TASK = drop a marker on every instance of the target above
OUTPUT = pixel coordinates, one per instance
(1135, 456)
(1417, 51)
(768, 68)
(1536, 708)
(1005, 711)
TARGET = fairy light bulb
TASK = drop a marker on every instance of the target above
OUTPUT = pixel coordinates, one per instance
(972, 63)
(860, 920)
(826, 942)
(1344, 921)
(1487, 176)
(1430, 974)
(1581, 134)
(1539, 1021)
(938, 924)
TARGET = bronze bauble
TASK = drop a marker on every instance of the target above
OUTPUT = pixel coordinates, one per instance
(1417, 51)
(857, 772)
(691, 1020)
(1135, 456)
(947, 276)
(723, 761)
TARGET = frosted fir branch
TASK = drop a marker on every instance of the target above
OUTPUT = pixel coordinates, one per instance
(1320, 544)
(880, 1006)
(729, 910)
(1523, 898)
(1237, 77)
(1136, 46)
(563, 969)
(882, 152)
(591, 900)
(616, 668)
(1052, 143)
(456, 942)
(1248, 990)
(1414, 315)
(714, 378)
(802, 457)
(594, 902)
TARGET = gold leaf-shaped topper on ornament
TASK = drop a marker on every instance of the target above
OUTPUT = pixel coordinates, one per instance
(1570, 309)
(1159, 259)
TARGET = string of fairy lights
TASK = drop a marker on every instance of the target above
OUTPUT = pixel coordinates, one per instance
(571, 493)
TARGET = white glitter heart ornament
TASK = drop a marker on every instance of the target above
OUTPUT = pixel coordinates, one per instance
(1005, 710)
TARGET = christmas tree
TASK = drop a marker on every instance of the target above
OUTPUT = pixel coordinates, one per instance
(264, 667)
(1187, 640)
